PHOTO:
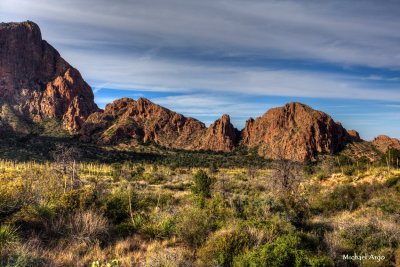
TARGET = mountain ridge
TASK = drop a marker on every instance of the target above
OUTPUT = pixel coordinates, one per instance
(37, 84)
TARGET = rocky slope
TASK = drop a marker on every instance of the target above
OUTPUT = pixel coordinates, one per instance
(36, 83)
(141, 121)
(295, 132)
(384, 142)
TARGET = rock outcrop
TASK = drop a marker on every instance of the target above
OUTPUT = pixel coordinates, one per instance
(142, 121)
(36, 83)
(384, 142)
(295, 132)
(353, 136)
(221, 136)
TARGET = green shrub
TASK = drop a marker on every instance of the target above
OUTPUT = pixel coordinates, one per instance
(123, 229)
(117, 206)
(393, 182)
(342, 197)
(160, 226)
(34, 218)
(202, 184)
(193, 226)
(348, 170)
(24, 259)
(155, 178)
(139, 171)
(222, 246)
(308, 169)
(8, 237)
(368, 237)
(78, 199)
(286, 250)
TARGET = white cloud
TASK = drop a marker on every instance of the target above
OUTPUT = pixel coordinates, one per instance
(153, 74)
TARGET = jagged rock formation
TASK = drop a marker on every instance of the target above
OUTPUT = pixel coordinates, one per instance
(143, 121)
(354, 136)
(36, 83)
(384, 142)
(295, 132)
(221, 135)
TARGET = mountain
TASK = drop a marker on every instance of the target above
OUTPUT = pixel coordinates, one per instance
(37, 84)
(384, 142)
(143, 121)
(296, 132)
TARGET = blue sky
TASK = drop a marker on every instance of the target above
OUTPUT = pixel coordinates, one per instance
(210, 57)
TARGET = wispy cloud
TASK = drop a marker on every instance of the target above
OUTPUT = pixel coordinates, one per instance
(356, 32)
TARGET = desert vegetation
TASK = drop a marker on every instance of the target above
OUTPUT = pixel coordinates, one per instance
(67, 212)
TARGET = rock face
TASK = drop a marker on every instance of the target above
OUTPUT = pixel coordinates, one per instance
(36, 83)
(221, 135)
(295, 132)
(354, 136)
(384, 142)
(143, 121)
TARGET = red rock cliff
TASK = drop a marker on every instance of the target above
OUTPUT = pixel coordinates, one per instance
(384, 142)
(143, 121)
(294, 131)
(37, 83)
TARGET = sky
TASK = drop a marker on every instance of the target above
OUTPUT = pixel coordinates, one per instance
(238, 57)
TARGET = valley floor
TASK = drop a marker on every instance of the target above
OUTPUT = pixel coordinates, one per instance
(67, 213)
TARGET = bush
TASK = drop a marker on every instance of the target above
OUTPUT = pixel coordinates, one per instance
(124, 229)
(202, 184)
(222, 246)
(161, 225)
(193, 226)
(24, 259)
(160, 256)
(87, 227)
(393, 182)
(286, 250)
(342, 197)
(139, 171)
(78, 199)
(155, 178)
(117, 206)
(8, 237)
(348, 170)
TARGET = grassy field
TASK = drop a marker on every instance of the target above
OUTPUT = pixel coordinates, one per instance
(71, 213)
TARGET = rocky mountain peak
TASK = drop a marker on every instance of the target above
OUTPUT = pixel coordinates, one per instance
(37, 83)
(221, 135)
(384, 142)
(294, 131)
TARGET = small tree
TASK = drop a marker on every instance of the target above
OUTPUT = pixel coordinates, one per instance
(202, 184)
